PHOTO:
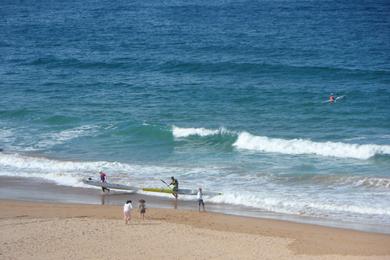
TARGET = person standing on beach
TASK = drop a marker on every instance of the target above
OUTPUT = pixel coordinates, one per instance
(200, 199)
(142, 208)
(103, 179)
(127, 211)
(175, 185)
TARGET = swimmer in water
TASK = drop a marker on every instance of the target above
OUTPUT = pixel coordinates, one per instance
(332, 99)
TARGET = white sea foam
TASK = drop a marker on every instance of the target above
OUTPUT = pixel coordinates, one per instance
(70, 173)
(302, 146)
(273, 197)
(301, 205)
(337, 180)
(296, 146)
(372, 182)
(179, 132)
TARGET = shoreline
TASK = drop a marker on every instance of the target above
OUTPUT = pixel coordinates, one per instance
(41, 190)
(280, 237)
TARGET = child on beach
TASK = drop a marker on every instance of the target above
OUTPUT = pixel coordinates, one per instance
(142, 208)
(200, 199)
(127, 211)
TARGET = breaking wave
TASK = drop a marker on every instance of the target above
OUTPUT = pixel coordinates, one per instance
(70, 173)
(186, 132)
(246, 141)
(302, 146)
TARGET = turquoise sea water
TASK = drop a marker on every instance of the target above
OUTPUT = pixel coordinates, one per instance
(228, 95)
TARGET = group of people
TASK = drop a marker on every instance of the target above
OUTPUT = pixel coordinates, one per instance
(142, 208)
(127, 208)
(175, 192)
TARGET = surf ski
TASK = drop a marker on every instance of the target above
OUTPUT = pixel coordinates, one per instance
(109, 185)
(338, 98)
(181, 191)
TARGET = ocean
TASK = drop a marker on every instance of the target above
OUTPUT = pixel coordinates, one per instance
(227, 95)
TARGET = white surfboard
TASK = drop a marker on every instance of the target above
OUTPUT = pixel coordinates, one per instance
(108, 185)
(335, 100)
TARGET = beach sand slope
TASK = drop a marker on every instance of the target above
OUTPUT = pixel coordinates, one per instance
(63, 231)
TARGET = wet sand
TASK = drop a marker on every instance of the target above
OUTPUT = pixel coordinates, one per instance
(39, 190)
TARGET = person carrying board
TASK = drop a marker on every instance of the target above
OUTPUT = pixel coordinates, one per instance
(103, 179)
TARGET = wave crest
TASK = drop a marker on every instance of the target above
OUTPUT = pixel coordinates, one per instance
(302, 146)
(298, 146)
(179, 132)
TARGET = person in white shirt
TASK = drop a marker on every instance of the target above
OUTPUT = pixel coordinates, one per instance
(200, 198)
(127, 211)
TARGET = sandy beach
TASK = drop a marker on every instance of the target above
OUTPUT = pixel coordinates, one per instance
(275, 114)
(33, 230)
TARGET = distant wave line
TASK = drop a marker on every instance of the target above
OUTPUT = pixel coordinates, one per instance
(198, 67)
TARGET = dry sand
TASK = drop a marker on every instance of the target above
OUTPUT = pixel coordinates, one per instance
(71, 231)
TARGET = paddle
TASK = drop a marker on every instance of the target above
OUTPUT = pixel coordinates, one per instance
(165, 183)
(173, 194)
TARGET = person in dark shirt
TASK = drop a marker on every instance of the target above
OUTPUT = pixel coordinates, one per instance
(175, 188)
(142, 208)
